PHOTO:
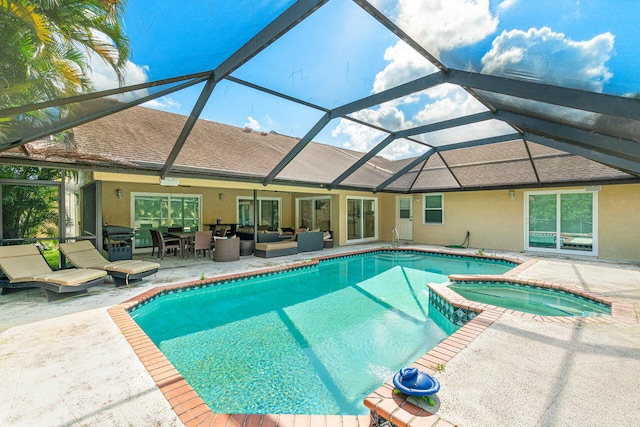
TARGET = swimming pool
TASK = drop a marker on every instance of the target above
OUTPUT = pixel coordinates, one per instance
(315, 340)
(531, 299)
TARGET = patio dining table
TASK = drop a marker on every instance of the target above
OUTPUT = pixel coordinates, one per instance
(185, 237)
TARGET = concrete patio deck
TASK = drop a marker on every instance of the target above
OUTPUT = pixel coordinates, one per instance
(66, 363)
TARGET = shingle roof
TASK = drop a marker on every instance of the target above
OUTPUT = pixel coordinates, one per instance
(142, 139)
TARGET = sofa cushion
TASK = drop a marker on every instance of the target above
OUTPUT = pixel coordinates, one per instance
(269, 246)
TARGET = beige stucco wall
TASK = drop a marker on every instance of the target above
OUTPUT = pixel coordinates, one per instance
(387, 216)
(619, 222)
(118, 211)
(491, 217)
(497, 222)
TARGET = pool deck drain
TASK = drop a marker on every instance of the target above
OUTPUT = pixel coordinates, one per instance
(384, 405)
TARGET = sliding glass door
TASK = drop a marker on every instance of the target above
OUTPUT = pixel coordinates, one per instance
(314, 213)
(362, 220)
(564, 221)
(161, 211)
(268, 212)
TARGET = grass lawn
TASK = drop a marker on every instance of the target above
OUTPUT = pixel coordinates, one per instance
(52, 256)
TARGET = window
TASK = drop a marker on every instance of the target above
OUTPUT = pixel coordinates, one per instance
(268, 212)
(405, 208)
(161, 211)
(564, 221)
(433, 209)
(313, 212)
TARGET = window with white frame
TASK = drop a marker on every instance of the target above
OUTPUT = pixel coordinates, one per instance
(362, 219)
(563, 221)
(163, 210)
(268, 212)
(434, 209)
(313, 212)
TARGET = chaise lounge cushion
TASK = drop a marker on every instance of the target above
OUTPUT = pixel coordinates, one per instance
(73, 277)
(25, 267)
(83, 254)
(25, 264)
(21, 265)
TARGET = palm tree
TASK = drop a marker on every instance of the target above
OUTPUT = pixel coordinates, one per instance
(45, 43)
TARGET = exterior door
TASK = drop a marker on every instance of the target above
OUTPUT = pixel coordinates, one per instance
(562, 221)
(404, 217)
(362, 221)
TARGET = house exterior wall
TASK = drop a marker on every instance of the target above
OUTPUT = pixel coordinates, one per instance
(493, 219)
(386, 216)
(497, 222)
(118, 211)
(618, 222)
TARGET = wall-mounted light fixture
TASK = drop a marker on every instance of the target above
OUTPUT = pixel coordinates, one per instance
(221, 196)
(512, 194)
(119, 193)
(416, 198)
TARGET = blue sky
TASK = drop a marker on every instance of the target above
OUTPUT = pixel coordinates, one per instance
(340, 54)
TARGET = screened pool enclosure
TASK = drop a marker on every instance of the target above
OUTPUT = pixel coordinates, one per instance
(417, 96)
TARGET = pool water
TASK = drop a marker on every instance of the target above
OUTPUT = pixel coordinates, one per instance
(311, 341)
(534, 300)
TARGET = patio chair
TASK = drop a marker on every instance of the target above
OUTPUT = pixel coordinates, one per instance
(222, 230)
(165, 243)
(25, 267)
(227, 250)
(202, 241)
(83, 254)
(155, 243)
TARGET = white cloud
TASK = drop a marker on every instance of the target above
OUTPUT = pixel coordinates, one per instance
(443, 25)
(103, 77)
(163, 103)
(360, 138)
(450, 101)
(506, 5)
(544, 55)
(405, 64)
(440, 103)
(402, 149)
(252, 123)
(439, 26)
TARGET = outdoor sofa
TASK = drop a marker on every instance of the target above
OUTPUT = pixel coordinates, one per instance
(82, 254)
(25, 267)
(305, 241)
(263, 236)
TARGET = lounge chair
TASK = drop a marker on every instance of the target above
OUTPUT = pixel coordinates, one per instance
(25, 267)
(82, 254)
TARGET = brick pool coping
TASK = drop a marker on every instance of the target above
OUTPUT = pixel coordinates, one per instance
(193, 411)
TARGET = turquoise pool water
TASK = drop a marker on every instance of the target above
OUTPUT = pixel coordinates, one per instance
(540, 301)
(313, 341)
